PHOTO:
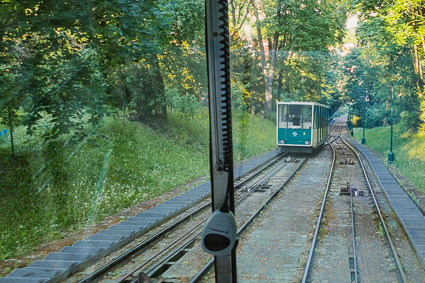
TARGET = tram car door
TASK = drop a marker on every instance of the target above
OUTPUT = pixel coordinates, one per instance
(294, 130)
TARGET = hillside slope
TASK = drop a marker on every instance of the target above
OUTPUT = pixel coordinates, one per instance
(119, 164)
(409, 152)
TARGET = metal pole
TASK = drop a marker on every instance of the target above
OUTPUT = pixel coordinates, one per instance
(364, 126)
(221, 148)
(349, 122)
(348, 118)
(391, 154)
(391, 141)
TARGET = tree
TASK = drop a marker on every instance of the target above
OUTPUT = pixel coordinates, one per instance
(393, 33)
(65, 55)
(294, 26)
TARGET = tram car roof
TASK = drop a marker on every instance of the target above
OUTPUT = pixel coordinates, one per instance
(302, 103)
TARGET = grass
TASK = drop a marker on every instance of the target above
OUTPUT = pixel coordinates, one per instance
(120, 164)
(252, 136)
(408, 149)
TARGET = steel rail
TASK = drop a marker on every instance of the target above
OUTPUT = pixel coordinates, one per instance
(140, 247)
(266, 177)
(353, 229)
(332, 126)
(329, 142)
(192, 230)
(204, 270)
(242, 196)
(253, 176)
(335, 127)
(402, 276)
(319, 220)
(272, 163)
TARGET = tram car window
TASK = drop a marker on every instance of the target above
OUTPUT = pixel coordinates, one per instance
(301, 126)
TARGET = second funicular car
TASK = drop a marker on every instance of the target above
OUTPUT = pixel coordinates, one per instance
(301, 126)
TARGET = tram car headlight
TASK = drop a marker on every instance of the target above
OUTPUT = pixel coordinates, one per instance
(307, 142)
(281, 141)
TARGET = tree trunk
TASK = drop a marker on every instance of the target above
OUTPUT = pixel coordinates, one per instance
(417, 61)
(387, 107)
(279, 86)
(268, 68)
(423, 47)
(232, 10)
(416, 67)
(161, 106)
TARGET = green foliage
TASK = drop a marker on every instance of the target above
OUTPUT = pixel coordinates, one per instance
(422, 117)
(60, 186)
(63, 63)
(187, 104)
(252, 136)
(139, 168)
(392, 35)
(247, 82)
(299, 35)
(145, 86)
(308, 76)
(368, 78)
(408, 149)
(187, 20)
(181, 68)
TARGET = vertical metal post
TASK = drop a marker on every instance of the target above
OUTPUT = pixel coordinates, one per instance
(350, 123)
(391, 154)
(348, 118)
(364, 126)
(221, 148)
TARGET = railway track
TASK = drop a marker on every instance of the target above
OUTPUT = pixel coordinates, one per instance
(244, 226)
(397, 265)
(176, 238)
(348, 241)
(351, 240)
(144, 244)
(319, 220)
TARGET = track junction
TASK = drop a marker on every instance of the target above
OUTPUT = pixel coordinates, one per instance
(335, 216)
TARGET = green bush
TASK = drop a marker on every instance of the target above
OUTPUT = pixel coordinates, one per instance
(119, 164)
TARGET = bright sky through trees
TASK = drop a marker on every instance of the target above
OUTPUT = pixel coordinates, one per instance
(352, 21)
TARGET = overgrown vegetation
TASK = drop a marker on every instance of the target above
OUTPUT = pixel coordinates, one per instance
(408, 149)
(66, 78)
(141, 56)
(382, 76)
(119, 164)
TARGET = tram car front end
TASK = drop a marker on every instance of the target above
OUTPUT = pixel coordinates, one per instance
(301, 126)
